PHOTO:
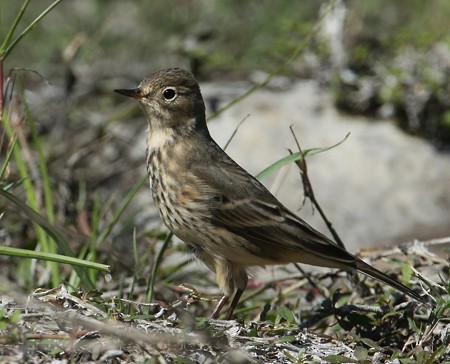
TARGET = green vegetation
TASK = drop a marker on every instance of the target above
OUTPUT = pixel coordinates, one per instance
(65, 216)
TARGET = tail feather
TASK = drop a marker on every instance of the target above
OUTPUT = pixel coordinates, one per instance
(375, 273)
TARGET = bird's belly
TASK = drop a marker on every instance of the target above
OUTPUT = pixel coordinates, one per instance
(183, 216)
(188, 215)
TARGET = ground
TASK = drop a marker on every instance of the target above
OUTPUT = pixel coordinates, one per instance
(293, 327)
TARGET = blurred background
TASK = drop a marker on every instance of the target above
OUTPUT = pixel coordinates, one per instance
(379, 70)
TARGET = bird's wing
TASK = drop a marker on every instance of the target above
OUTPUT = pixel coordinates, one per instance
(248, 210)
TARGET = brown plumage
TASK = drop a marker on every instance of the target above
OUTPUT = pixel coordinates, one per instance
(227, 217)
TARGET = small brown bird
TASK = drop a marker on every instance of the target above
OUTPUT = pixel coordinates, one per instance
(229, 219)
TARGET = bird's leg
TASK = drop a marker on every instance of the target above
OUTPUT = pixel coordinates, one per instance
(234, 303)
(219, 307)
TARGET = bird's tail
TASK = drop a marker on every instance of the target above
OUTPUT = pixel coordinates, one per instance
(375, 273)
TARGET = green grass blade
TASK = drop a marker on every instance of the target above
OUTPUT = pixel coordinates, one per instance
(12, 29)
(126, 201)
(280, 163)
(234, 132)
(24, 253)
(30, 190)
(48, 199)
(295, 157)
(50, 230)
(294, 55)
(8, 157)
(151, 284)
(11, 46)
(313, 151)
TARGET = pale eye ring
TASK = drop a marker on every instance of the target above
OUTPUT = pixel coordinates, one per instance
(170, 94)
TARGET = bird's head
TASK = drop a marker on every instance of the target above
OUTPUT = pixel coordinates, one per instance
(170, 98)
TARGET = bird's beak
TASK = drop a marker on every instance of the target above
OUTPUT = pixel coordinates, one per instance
(135, 93)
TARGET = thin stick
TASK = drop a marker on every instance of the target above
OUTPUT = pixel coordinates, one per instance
(309, 192)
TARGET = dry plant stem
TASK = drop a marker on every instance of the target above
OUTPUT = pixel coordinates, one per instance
(309, 192)
(61, 293)
(78, 334)
(110, 328)
(308, 278)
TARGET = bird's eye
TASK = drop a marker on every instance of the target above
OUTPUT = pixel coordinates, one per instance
(169, 94)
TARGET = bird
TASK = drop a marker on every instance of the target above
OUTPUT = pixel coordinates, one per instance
(227, 218)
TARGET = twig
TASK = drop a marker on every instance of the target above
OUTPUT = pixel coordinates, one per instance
(309, 192)
(308, 278)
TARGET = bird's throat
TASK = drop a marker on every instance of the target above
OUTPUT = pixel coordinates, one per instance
(158, 138)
